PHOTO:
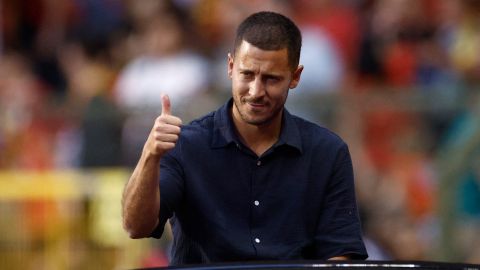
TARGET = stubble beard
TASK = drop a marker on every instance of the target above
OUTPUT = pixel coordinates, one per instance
(256, 122)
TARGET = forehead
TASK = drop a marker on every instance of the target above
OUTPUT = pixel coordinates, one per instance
(248, 56)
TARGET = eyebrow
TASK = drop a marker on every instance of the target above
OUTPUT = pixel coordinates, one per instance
(273, 75)
(245, 70)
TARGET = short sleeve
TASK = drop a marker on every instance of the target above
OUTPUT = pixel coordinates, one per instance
(339, 230)
(171, 185)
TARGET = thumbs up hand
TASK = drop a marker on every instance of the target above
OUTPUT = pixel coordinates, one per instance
(165, 131)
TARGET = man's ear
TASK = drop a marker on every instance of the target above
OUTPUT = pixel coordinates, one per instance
(296, 77)
(230, 65)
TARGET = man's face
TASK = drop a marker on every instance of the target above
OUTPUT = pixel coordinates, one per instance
(260, 83)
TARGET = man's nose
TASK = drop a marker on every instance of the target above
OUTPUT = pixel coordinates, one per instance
(257, 88)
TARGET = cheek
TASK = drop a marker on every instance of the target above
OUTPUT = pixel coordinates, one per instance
(280, 92)
(238, 86)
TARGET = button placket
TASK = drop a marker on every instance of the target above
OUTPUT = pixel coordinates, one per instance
(257, 183)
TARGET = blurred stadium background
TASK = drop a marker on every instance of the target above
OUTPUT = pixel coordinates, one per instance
(80, 84)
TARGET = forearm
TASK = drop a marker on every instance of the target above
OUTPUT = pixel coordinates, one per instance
(340, 258)
(141, 197)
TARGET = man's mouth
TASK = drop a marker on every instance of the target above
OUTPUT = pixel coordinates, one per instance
(257, 106)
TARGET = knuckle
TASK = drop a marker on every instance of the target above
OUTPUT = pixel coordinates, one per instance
(161, 127)
(157, 126)
(169, 145)
(161, 119)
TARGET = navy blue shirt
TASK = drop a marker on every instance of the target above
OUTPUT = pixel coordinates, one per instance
(225, 203)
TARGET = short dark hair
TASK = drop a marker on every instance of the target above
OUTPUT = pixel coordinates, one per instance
(271, 31)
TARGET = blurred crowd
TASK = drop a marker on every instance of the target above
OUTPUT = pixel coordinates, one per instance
(81, 83)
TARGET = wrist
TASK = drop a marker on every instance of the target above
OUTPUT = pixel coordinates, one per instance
(150, 155)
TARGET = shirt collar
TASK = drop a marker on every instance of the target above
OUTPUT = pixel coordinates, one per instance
(290, 134)
(224, 132)
(223, 128)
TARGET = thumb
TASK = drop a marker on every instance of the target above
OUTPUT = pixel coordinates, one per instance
(166, 105)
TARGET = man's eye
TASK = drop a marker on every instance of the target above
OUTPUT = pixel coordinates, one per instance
(246, 75)
(273, 79)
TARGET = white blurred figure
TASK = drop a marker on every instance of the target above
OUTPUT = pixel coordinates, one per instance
(323, 74)
(163, 65)
(323, 65)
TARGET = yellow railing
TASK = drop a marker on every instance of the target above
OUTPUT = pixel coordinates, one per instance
(68, 220)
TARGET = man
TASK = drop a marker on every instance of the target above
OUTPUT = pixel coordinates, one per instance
(249, 181)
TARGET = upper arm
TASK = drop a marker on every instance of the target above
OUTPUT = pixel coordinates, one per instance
(171, 184)
(339, 230)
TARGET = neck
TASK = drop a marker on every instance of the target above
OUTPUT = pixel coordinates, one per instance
(259, 138)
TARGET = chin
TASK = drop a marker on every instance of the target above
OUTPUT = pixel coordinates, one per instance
(256, 121)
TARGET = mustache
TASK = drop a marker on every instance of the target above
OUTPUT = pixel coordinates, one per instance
(255, 100)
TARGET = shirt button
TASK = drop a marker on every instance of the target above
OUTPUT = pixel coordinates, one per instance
(256, 203)
(259, 163)
(257, 240)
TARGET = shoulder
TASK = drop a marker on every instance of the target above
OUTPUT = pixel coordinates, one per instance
(198, 129)
(319, 142)
(322, 144)
(316, 134)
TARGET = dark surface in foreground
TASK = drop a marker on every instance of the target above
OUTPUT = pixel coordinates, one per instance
(329, 265)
